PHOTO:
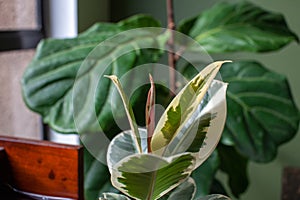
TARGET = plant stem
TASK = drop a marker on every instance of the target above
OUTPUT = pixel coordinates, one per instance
(171, 55)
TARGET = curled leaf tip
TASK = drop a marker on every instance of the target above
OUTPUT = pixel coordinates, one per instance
(224, 61)
(112, 77)
(150, 78)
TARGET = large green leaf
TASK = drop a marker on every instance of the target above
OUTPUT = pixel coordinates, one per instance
(235, 166)
(138, 21)
(96, 178)
(241, 26)
(217, 188)
(181, 111)
(49, 79)
(147, 176)
(261, 112)
(185, 191)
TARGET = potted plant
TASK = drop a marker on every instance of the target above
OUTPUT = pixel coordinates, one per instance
(157, 162)
(261, 112)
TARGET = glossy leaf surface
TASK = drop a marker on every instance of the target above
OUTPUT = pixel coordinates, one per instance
(241, 26)
(261, 112)
(141, 174)
(181, 110)
(147, 176)
(113, 196)
(123, 145)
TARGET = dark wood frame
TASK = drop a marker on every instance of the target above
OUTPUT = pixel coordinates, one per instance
(24, 39)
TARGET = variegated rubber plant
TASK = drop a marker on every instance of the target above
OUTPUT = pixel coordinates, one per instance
(156, 162)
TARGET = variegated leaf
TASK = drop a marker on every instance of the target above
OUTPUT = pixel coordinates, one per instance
(123, 146)
(182, 109)
(148, 176)
(129, 112)
(210, 112)
(113, 196)
(218, 108)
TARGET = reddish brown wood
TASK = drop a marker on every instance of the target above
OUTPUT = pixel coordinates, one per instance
(291, 184)
(44, 167)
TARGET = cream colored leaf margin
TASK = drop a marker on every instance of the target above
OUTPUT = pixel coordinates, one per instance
(186, 100)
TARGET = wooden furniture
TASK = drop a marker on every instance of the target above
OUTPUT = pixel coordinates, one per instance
(291, 184)
(42, 167)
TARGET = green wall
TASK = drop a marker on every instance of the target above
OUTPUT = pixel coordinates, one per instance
(265, 178)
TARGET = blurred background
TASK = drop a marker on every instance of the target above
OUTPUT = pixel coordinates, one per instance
(24, 23)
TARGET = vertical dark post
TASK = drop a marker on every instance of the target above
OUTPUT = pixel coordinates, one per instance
(171, 56)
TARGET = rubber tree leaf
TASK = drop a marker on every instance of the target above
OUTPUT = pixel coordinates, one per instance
(147, 176)
(235, 166)
(181, 110)
(112, 196)
(261, 112)
(129, 112)
(216, 110)
(241, 26)
(123, 145)
(48, 81)
(203, 131)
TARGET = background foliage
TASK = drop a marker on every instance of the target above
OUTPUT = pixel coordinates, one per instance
(54, 67)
